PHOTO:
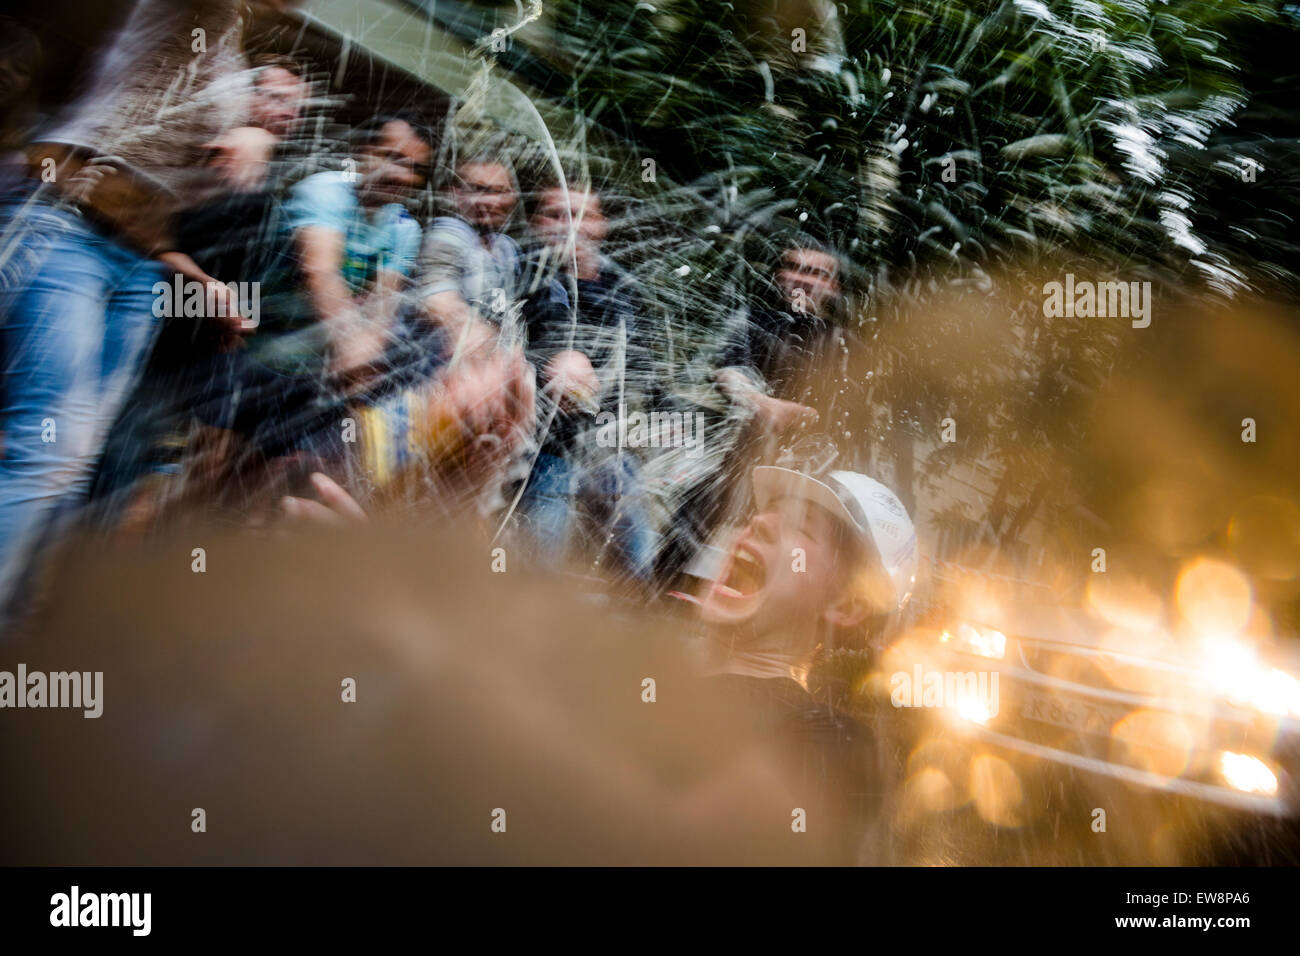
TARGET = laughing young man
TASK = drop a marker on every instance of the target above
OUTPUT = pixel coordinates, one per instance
(821, 561)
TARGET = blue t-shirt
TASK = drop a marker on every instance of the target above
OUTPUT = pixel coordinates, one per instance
(386, 241)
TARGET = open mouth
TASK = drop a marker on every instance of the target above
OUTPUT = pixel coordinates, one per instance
(745, 575)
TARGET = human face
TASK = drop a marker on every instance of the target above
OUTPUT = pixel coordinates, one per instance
(240, 157)
(767, 585)
(15, 78)
(484, 195)
(394, 165)
(809, 278)
(557, 210)
(277, 99)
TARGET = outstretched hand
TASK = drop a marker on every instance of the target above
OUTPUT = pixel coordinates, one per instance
(483, 410)
(777, 415)
(571, 380)
(335, 507)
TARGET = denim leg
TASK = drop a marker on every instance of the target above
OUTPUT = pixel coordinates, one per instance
(129, 330)
(75, 326)
(547, 506)
(620, 503)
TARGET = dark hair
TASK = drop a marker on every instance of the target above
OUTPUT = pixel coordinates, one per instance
(372, 130)
(532, 198)
(807, 241)
(480, 159)
(276, 61)
(19, 43)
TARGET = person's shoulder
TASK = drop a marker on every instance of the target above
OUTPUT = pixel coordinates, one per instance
(321, 194)
(798, 710)
(618, 279)
(451, 227)
(328, 181)
(618, 290)
(780, 698)
(770, 318)
(504, 245)
(557, 294)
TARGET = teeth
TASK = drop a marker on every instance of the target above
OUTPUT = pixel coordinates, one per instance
(746, 574)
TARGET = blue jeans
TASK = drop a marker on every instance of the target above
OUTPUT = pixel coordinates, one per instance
(76, 320)
(612, 494)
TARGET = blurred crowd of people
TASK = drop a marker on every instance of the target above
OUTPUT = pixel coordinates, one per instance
(196, 326)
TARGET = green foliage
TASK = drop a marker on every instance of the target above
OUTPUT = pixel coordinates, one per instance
(1073, 127)
(949, 147)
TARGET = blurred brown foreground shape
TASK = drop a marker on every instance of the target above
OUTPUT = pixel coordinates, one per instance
(476, 692)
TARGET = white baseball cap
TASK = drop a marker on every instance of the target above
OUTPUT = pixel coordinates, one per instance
(864, 504)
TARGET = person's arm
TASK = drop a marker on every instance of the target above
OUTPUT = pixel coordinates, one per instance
(465, 330)
(773, 415)
(737, 352)
(566, 370)
(182, 263)
(737, 374)
(386, 296)
(739, 379)
(319, 213)
(228, 315)
(739, 385)
(444, 306)
(320, 257)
